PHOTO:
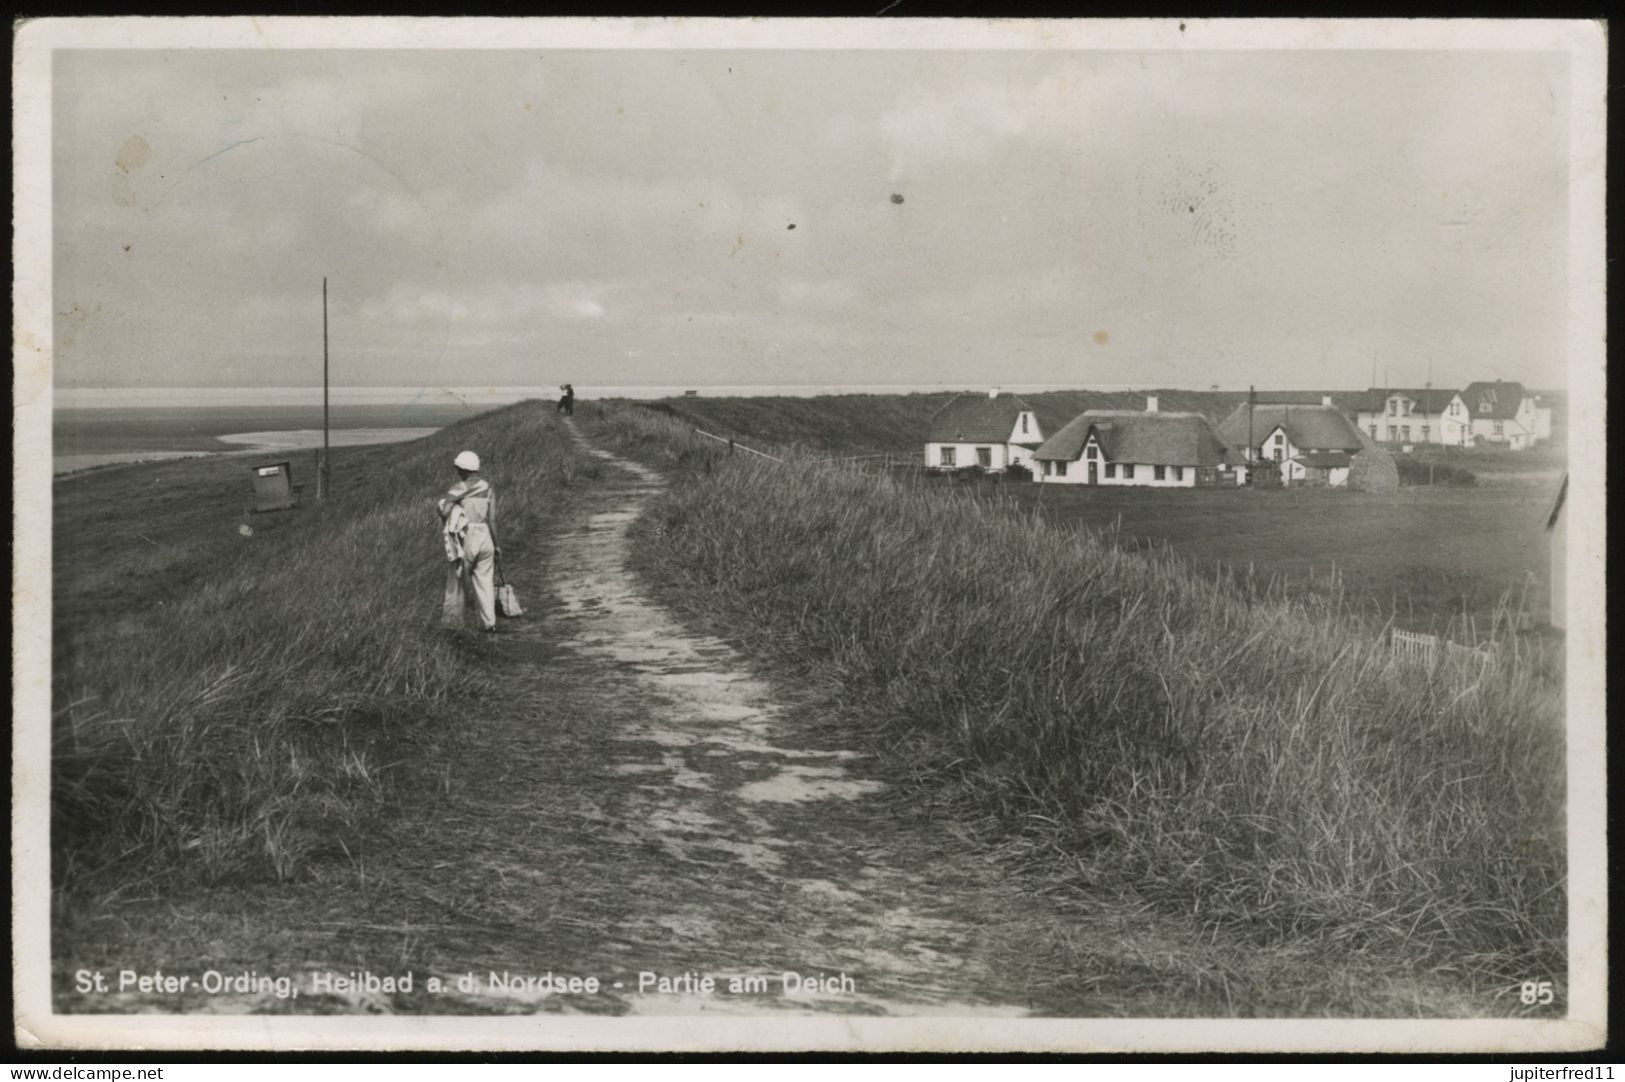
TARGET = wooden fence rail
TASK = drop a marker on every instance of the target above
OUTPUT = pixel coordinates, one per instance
(732, 445)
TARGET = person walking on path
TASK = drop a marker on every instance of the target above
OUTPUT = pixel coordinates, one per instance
(468, 512)
(567, 401)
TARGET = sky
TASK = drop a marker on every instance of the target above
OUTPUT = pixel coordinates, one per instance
(714, 217)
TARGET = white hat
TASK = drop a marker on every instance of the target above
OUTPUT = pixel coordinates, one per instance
(467, 460)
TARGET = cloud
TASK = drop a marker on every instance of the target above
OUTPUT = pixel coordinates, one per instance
(634, 206)
(979, 118)
(570, 302)
(829, 294)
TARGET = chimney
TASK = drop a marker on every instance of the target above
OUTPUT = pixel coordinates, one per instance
(1325, 400)
(993, 392)
(1150, 403)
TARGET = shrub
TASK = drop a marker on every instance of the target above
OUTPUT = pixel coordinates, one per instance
(1412, 472)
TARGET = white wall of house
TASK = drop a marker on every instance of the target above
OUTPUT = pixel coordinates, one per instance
(1024, 431)
(1128, 474)
(1022, 456)
(960, 455)
(1277, 447)
(1518, 432)
(1400, 422)
(1509, 433)
(1543, 423)
(1115, 473)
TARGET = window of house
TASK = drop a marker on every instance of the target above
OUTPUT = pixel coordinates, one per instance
(1060, 468)
(984, 457)
(1498, 428)
(1373, 431)
(1425, 430)
(1404, 432)
(1128, 471)
(1024, 424)
(1393, 407)
(948, 458)
(1275, 453)
(1111, 469)
(1179, 473)
(1159, 473)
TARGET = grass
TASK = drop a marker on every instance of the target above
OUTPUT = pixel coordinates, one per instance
(1430, 559)
(230, 691)
(893, 423)
(1435, 559)
(1452, 561)
(1259, 762)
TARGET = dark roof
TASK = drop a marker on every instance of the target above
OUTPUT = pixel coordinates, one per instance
(1324, 460)
(1155, 439)
(976, 418)
(1310, 428)
(1427, 399)
(1502, 396)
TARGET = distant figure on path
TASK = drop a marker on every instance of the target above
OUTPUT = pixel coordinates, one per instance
(567, 401)
(468, 512)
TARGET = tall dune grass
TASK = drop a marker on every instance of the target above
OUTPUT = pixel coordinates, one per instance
(1259, 762)
(248, 725)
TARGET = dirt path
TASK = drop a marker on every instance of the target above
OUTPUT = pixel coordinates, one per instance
(762, 855)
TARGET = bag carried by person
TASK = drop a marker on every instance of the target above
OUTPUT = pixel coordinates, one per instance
(507, 597)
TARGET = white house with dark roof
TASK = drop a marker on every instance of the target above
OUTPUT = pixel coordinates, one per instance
(991, 431)
(1503, 413)
(1135, 447)
(1312, 445)
(1411, 415)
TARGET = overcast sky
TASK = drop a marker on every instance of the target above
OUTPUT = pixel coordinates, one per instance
(715, 217)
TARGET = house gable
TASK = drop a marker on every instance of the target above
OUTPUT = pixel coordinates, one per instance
(1027, 432)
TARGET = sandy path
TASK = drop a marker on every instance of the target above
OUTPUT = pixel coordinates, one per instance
(761, 855)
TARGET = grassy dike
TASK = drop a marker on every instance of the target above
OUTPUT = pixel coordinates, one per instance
(230, 705)
(1261, 764)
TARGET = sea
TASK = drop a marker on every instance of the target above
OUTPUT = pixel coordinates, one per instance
(101, 426)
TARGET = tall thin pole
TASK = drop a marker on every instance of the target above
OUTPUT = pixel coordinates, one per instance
(327, 462)
(1250, 397)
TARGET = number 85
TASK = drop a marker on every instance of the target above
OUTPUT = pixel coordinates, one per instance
(1533, 992)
